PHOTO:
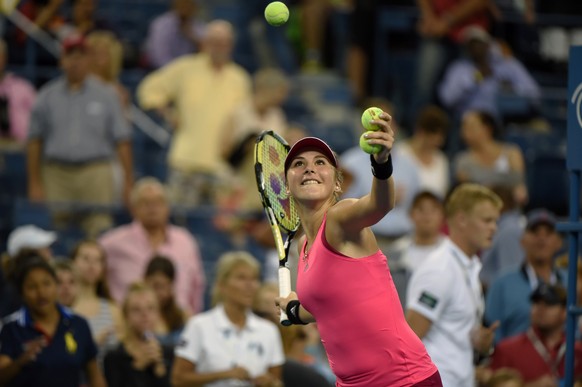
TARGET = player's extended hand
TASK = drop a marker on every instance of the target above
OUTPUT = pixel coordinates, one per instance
(383, 137)
(282, 302)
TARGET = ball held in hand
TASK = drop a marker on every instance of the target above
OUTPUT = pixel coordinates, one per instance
(369, 148)
(276, 13)
(370, 114)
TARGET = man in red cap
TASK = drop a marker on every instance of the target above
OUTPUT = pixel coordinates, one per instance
(77, 128)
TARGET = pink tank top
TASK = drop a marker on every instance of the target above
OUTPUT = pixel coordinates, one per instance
(360, 318)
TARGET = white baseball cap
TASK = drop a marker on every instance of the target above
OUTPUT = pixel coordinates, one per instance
(29, 236)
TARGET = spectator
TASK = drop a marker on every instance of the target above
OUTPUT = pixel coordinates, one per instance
(515, 25)
(473, 83)
(206, 88)
(264, 302)
(47, 15)
(427, 214)
(508, 298)
(306, 362)
(506, 252)
(106, 52)
(538, 353)
(160, 275)
(76, 128)
(84, 20)
(140, 360)
(488, 161)
(441, 27)
(261, 112)
(174, 33)
(31, 237)
(445, 299)
(44, 344)
(17, 97)
(130, 247)
(393, 228)
(205, 353)
(67, 284)
(23, 242)
(505, 377)
(93, 300)
(424, 149)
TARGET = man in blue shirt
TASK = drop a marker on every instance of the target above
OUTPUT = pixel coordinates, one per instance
(508, 298)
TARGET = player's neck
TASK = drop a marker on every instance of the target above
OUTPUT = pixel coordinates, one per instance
(311, 220)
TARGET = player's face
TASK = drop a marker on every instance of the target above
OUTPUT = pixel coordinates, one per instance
(481, 224)
(311, 176)
(241, 286)
(39, 291)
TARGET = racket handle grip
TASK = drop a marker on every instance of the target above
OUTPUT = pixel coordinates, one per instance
(284, 290)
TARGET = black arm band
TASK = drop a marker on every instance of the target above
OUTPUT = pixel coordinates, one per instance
(382, 171)
(292, 311)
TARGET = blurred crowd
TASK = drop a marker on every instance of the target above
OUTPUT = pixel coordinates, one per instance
(146, 302)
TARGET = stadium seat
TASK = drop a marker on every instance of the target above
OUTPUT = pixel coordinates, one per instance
(548, 184)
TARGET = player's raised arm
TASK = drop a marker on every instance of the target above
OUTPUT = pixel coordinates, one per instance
(369, 209)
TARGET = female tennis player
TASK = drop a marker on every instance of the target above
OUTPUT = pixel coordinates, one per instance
(343, 280)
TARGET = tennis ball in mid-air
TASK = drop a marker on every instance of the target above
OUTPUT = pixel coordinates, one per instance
(369, 148)
(370, 114)
(276, 13)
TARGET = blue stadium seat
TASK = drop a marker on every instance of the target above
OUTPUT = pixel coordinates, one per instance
(26, 212)
(548, 184)
(534, 144)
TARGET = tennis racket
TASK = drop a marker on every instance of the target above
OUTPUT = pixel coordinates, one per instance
(270, 153)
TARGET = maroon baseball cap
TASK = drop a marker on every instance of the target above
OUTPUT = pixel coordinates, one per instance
(310, 143)
(540, 216)
(72, 43)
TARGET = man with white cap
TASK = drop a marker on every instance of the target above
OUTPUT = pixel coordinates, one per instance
(31, 237)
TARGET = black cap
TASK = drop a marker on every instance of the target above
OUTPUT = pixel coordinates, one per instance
(549, 294)
(540, 216)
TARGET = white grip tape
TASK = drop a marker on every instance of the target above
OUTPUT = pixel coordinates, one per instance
(284, 288)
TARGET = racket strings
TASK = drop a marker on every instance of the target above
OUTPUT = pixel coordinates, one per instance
(273, 155)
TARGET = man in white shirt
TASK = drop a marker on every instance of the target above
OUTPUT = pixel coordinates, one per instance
(445, 300)
(427, 214)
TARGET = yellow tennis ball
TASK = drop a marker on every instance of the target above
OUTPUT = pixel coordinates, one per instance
(276, 13)
(369, 114)
(369, 148)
